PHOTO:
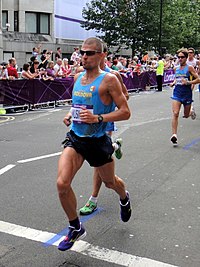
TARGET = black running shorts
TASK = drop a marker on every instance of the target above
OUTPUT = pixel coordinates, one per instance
(97, 151)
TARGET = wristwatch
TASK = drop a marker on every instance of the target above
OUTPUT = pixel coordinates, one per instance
(100, 118)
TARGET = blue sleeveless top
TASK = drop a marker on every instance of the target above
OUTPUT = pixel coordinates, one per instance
(88, 96)
(182, 91)
(107, 69)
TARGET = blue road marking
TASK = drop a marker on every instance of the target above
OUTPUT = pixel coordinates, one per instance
(194, 142)
(64, 232)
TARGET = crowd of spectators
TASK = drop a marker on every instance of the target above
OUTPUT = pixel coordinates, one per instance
(42, 65)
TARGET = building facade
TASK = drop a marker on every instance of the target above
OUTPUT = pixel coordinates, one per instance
(25, 24)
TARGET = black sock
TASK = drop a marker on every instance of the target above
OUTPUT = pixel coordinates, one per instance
(75, 223)
(124, 201)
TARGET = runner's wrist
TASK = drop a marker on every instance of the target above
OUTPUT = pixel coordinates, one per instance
(188, 83)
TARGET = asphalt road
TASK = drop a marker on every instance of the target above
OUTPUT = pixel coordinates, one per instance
(163, 182)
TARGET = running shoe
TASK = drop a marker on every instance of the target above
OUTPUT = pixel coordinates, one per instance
(125, 209)
(174, 140)
(72, 236)
(89, 208)
(193, 115)
(118, 152)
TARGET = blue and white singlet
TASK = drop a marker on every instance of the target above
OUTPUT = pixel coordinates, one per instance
(88, 96)
(182, 93)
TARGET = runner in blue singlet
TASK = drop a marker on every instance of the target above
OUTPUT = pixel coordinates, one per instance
(91, 204)
(93, 96)
(182, 93)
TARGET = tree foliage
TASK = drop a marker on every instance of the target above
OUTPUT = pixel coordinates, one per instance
(136, 23)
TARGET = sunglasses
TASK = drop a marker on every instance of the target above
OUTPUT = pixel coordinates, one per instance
(89, 52)
(181, 56)
(190, 52)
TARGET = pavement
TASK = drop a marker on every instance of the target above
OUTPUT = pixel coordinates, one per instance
(163, 182)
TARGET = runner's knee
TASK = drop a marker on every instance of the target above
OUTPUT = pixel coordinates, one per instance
(176, 113)
(109, 184)
(63, 187)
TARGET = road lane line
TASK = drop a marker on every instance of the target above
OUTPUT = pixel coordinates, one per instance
(6, 168)
(194, 142)
(82, 247)
(40, 157)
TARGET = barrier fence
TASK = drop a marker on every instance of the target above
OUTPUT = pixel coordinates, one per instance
(30, 92)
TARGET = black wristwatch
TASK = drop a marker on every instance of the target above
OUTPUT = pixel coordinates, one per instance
(100, 118)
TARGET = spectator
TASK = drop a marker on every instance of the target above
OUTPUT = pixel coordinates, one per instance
(159, 73)
(137, 69)
(58, 54)
(12, 71)
(36, 51)
(26, 74)
(75, 55)
(35, 69)
(145, 57)
(109, 61)
(46, 55)
(167, 62)
(119, 64)
(66, 67)
(50, 69)
(4, 71)
(114, 65)
(58, 69)
(123, 64)
(154, 63)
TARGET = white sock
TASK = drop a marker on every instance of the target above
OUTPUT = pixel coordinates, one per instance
(115, 146)
(93, 199)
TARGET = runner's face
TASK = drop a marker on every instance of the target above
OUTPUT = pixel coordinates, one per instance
(190, 54)
(182, 58)
(91, 61)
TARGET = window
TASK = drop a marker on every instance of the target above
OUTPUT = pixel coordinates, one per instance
(7, 56)
(16, 21)
(37, 23)
(4, 18)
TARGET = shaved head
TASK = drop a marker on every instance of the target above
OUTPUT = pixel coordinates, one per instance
(94, 40)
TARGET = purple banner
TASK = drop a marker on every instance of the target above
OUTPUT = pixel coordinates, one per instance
(20, 92)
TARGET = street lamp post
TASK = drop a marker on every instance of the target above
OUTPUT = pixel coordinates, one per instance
(160, 27)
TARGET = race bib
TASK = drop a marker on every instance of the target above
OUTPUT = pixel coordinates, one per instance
(75, 110)
(179, 80)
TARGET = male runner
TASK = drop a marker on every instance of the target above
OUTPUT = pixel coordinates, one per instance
(93, 98)
(91, 204)
(192, 61)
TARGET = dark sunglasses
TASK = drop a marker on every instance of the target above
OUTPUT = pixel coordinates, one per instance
(89, 52)
(190, 52)
(181, 56)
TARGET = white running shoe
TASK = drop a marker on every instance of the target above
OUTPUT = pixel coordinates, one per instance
(174, 140)
(193, 114)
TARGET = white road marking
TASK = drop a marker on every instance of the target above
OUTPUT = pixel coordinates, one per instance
(82, 247)
(121, 130)
(40, 157)
(124, 127)
(7, 168)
